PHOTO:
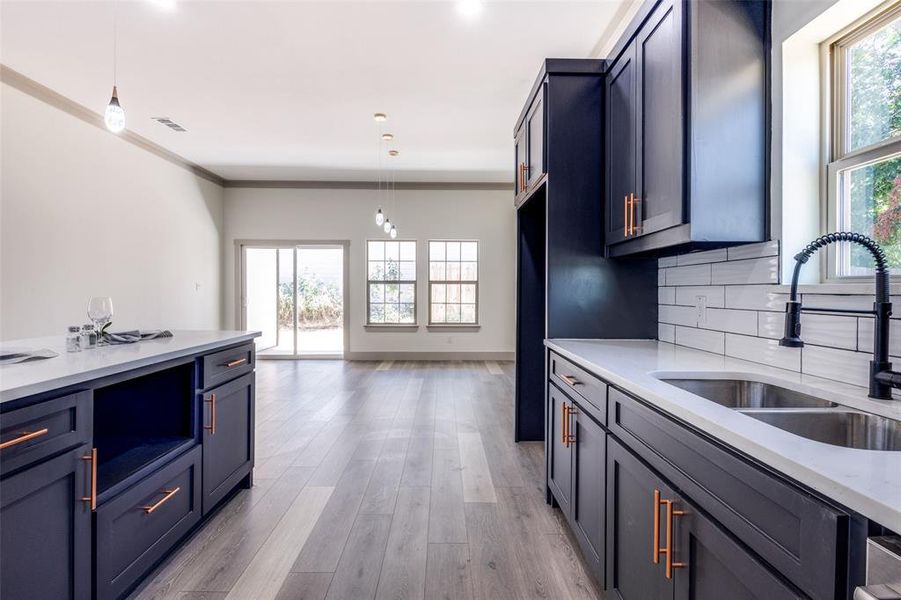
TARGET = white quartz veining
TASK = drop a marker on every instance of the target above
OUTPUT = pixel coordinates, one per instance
(866, 481)
(36, 376)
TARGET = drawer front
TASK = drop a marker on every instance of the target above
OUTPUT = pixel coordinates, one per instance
(33, 433)
(225, 365)
(794, 532)
(138, 527)
(577, 380)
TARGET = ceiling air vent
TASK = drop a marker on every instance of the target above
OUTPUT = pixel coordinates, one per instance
(169, 123)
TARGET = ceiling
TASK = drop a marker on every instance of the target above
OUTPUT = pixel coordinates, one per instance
(286, 90)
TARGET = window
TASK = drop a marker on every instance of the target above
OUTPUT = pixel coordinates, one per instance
(864, 172)
(453, 282)
(391, 282)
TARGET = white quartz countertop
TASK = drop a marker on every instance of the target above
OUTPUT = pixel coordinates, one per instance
(71, 368)
(866, 481)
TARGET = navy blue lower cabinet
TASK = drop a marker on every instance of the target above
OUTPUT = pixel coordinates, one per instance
(559, 455)
(137, 528)
(227, 438)
(45, 530)
(589, 456)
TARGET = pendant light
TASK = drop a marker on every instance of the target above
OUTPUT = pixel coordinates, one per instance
(393, 232)
(379, 218)
(387, 227)
(114, 116)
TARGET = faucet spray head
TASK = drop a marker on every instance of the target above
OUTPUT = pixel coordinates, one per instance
(791, 337)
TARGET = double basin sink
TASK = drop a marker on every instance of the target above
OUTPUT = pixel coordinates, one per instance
(798, 413)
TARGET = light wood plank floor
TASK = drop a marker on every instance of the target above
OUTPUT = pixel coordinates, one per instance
(391, 480)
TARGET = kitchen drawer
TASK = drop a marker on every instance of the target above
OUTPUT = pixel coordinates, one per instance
(41, 430)
(137, 528)
(225, 365)
(800, 536)
(575, 379)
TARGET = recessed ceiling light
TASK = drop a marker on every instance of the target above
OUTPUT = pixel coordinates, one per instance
(380, 117)
(393, 152)
(469, 8)
(387, 136)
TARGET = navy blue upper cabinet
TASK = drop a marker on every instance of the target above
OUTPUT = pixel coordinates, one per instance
(686, 161)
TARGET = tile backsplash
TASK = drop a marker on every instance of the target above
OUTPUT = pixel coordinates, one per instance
(744, 314)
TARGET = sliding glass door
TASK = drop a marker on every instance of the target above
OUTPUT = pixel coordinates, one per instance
(294, 294)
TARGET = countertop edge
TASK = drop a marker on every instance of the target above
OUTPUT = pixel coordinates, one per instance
(860, 502)
(90, 375)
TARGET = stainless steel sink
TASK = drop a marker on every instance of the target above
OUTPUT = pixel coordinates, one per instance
(839, 427)
(740, 393)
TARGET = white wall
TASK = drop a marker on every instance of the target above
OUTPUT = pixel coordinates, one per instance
(343, 214)
(85, 213)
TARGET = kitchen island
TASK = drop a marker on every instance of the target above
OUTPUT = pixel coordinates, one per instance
(111, 456)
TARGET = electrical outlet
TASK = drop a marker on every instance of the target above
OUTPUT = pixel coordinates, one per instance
(701, 309)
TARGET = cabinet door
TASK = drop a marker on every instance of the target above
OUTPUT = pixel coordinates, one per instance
(227, 438)
(589, 502)
(631, 516)
(535, 126)
(560, 455)
(621, 141)
(45, 530)
(715, 566)
(521, 160)
(660, 165)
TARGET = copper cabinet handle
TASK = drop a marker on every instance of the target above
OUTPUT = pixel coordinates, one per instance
(91, 499)
(625, 216)
(24, 438)
(572, 381)
(563, 425)
(670, 513)
(212, 426)
(570, 436)
(635, 216)
(657, 550)
(235, 363)
(161, 501)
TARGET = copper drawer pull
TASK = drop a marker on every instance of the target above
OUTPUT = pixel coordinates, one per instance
(572, 381)
(24, 438)
(212, 426)
(161, 501)
(670, 513)
(570, 436)
(235, 363)
(91, 499)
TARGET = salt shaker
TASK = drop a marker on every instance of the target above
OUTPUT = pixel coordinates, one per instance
(73, 339)
(88, 336)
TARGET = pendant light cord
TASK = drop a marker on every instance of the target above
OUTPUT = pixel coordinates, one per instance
(115, 40)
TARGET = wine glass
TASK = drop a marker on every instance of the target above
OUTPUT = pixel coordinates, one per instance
(100, 311)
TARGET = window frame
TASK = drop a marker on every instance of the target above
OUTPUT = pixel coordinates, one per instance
(477, 282)
(414, 282)
(836, 158)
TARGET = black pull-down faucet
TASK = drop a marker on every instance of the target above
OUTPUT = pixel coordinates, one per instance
(882, 378)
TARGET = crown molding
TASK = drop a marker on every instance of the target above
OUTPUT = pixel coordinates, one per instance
(44, 94)
(41, 92)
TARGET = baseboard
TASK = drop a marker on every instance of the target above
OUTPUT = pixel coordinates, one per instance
(498, 356)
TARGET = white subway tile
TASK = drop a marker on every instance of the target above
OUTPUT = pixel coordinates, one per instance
(865, 337)
(840, 365)
(733, 321)
(821, 330)
(667, 261)
(666, 295)
(699, 258)
(754, 250)
(755, 270)
(666, 333)
(770, 324)
(829, 330)
(755, 297)
(837, 302)
(687, 295)
(677, 315)
(661, 276)
(692, 275)
(710, 341)
(762, 350)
